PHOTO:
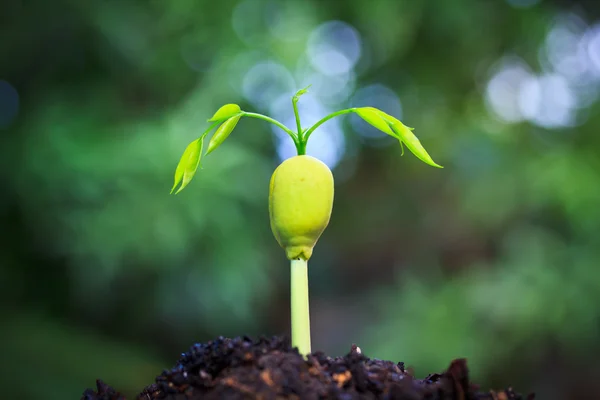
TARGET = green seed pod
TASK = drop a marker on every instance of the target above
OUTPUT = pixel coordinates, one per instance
(300, 204)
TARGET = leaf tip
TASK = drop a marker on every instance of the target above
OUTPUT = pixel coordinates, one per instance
(429, 161)
(226, 111)
(301, 92)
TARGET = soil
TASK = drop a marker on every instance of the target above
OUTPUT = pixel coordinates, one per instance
(270, 369)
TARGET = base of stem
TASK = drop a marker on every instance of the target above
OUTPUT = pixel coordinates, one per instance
(299, 306)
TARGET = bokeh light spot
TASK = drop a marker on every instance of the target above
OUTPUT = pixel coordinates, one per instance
(523, 3)
(547, 101)
(267, 81)
(515, 94)
(331, 90)
(564, 49)
(9, 104)
(502, 91)
(593, 47)
(238, 67)
(334, 48)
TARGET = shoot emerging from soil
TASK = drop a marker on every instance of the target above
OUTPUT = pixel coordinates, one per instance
(301, 191)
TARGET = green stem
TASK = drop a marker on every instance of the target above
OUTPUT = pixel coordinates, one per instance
(297, 115)
(299, 302)
(210, 128)
(301, 147)
(325, 119)
(273, 121)
(300, 143)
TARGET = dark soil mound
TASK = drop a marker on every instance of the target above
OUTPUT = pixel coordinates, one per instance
(268, 369)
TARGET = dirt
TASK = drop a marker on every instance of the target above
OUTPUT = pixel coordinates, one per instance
(270, 369)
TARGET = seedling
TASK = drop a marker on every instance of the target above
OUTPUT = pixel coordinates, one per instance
(300, 192)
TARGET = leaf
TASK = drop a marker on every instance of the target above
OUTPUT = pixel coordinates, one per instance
(222, 133)
(404, 133)
(227, 111)
(181, 166)
(393, 127)
(188, 164)
(300, 93)
(373, 117)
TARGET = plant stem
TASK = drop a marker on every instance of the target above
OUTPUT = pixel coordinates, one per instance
(297, 115)
(301, 147)
(273, 121)
(325, 119)
(299, 302)
(210, 128)
(301, 142)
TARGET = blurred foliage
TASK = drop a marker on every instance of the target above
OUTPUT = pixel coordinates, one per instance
(33, 340)
(103, 274)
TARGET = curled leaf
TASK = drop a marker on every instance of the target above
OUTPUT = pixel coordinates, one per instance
(222, 133)
(373, 117)
(405, 135)
(188, 164)
(227, 111)
(300, 93)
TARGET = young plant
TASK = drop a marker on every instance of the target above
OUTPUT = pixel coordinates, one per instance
(300, 192)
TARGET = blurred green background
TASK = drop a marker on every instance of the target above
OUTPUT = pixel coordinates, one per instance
(103, 274)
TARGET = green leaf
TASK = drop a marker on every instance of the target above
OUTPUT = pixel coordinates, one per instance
(188, 164)
(222, 133)
(300, 93)
(373, 117)
(227, 111)
(404, 134)
(393, 127)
